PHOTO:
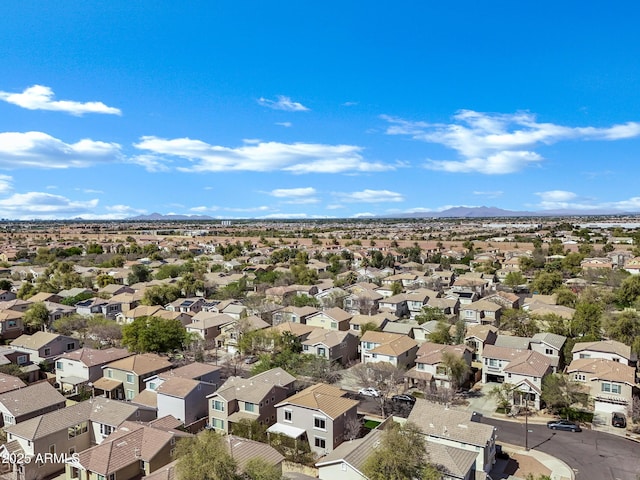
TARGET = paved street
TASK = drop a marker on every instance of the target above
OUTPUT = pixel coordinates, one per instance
(592, 454)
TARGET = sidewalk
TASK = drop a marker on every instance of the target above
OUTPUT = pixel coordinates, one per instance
(558, 469)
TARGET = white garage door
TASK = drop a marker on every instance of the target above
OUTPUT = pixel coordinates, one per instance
(608, 408)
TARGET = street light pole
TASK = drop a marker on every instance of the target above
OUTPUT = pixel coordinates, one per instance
(526, 423)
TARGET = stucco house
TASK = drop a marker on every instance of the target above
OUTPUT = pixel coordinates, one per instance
(77, 368)
(396, 349)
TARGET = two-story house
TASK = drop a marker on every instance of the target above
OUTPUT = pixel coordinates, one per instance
(78, 368)
(124, 378)
(230, 333)
(378, 321)
(65, 432)
(395, 304)
(208, 325)
(431, 366)
(44, 346)
(293, 314)
(251, 398)
(334, 345)
(525, 373)
(131, 451)
(330, 319)
(11, 325)
(321, 414)
(482, 311)
(396, 349)
(551, 345)
(607, 349)
(186, 305)
(31, 401)
(477, 337)
(611, 384)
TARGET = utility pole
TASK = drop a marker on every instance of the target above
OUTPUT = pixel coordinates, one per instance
(526, 422)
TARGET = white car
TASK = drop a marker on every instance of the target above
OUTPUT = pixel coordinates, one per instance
(369, 392)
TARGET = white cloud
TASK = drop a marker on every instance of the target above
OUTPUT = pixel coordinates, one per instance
(371, 196)
(363, 215)
(216, 208)
(262, 157)
(44, 206)
(39, 150)
(565, 200)
(282, 103)
(123, 211)
(39, 97)
(556, 196)
(6, 183)
(292, 216)
(349, 104)
(293, 192)
(335, 206)
(284, 124)
(88, 190)
(495, 144)
(493, 194)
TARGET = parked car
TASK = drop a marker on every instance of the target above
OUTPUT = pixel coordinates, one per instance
(250, 359)
(369, 392)
(404, 398)
(564, 425)
(619, 420)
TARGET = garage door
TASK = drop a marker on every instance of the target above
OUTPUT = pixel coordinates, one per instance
(608, 408)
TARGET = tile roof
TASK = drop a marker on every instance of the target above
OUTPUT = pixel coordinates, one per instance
(529, 363)
(242, 450)
(353, 452)
(99, 410)
(177, 387)
(481, 332)
(511, 341)
(604, 346)
(325, 398)
(31, 398)
(147, 398)
(432, 353)
(9, 383)
(389, 343)
(454, 461)
(192, 370)
(501, 353)
(141, 363)
(329, 338)
(202, 320)
(603, 369)
(35, 341)
(441, 422)
(91, 356)
(553, 339)
(253, 389)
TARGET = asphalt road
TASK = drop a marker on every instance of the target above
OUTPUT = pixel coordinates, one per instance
(593, 455)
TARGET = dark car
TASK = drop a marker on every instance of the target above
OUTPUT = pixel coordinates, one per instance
(404, 398)
(563, 425)
(619, 420)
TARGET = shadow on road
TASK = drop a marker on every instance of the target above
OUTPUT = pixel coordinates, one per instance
(544, 441)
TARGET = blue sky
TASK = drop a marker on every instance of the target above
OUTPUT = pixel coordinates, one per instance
(290, 109)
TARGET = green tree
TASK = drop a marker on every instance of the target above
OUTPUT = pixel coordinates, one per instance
(14, 370)
(566, 297)
(251, 429)
(26, 290)
(587, 319)
(139, 273)
(204, 457)
(442, 333)
(154, 334)
(305, 300)
(519, 322)
(503, 395)
(37, 317)
(259, 469)
(429, 314)
(546, 282)
(160, 294)
(629, 291)
(5, 284)
(513, 279)
(70, 324)
(401, 454)
(457, 369)
(560, 394)
(625, 327)
(104, 279)
(396, 288)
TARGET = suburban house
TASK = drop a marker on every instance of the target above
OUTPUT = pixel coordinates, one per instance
(132, 450)
(395, 304)
(551, 345)
(44, 346)
(9, 383)
(525, 373)
(456, 428)
(91, 306)
(363, 301)
(124, 378)
(330, 319)
(11, 325)
(186, 305)
(78, 368)
(208, 325)
(496, 360)
(607, 349)
(347, 460)
(320, 414)
(477, 337)
(398, 350)
(253, 399)
(293, 314)
(482, 311)
(431, 367)
(379, 321)
(611, 384)
(334, 345)
(31, 401)
(230, 333)
(66, 431)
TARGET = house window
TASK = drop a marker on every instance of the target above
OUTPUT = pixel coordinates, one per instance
(130, 394)
(608, 387)
(12, 323)
(548, 351)
(468, 313)
(288, 415)
(109, 373)
(59, 366)
(106, 429)
(129, 378)
(585, 355)
(305, 348)
(249, 407)
(71, 346)
(334, 324)
(152, 386)
(493, 362)
(320, 442)
(8, 419)
(320, 423)
(321, 351)
(52, 449)
(355, 327)
(218, 424)
(441, 370)
(22, 359)
(218, 405)
(580, 377)
(47, 351)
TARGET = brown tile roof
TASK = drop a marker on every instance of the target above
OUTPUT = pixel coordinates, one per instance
(254, 389)
(431, 353)
(147, 398)
(100, 410)
(389, 343)
(604, 346)
(481, 332)
(166, 422)
(329, 338)
(337, 314)
(168, 472)
(501, 353)
(530, 363)
(325, 398)
(9, 383)
(193, 370)
(177, 387)
(141, 363)
(355, 452)
(35, 341)
(91, 356)
(441, 422)
(242, 450)
(377, 319)
(31, 398)
(202, 320)
(107, 384)
(603, 369)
